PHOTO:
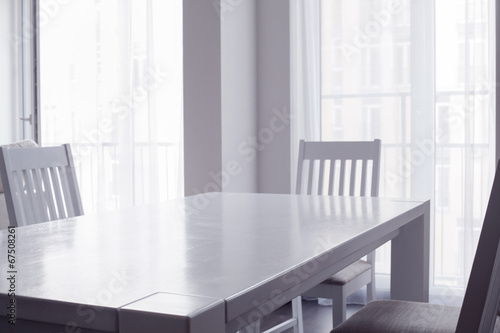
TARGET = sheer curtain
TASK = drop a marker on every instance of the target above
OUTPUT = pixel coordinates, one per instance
(305, 53)
(111, 85)
(418, 75)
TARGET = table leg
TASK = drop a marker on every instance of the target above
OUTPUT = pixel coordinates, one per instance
(410, 260)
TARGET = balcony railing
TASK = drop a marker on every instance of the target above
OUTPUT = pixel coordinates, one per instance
(111, 176)
(457, 212)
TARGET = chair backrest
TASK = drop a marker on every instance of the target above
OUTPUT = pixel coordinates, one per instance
(482, 296)
(40, 184)
(339, 168)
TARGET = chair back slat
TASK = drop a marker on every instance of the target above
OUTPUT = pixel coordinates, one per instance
(321, 178)
(57, 192)
(364, 168)
(352, 181)
(310, 177)
(482, 296)
(49, 195)
(342, 177)
(298, 187)
(40, 184)
(18, 189)
(352, 159)
(42, 202)
(65, 191)
(376, 170)
(30, 194)
(74, 191)
(332, 177)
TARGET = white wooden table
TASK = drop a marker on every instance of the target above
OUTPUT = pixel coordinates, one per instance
(202, 264)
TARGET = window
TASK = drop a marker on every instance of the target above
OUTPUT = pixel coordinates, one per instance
(371, 126)
(111, 85)
(333, 121)
(402, 70)
(372, 63)
(443, 186)
(430, 104)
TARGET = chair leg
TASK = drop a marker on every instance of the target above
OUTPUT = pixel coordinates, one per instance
(370, 291)
(339, 310)
(370, 288)
(297, 313)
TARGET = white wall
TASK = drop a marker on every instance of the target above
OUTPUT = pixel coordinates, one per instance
(256, 95)
(7, 67)
(273, 45)
(236, 83)
(202, 96)
(239, 96)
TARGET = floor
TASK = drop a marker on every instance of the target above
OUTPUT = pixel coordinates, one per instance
(317, 318)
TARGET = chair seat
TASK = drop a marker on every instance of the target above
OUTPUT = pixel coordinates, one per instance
(349, 273)
(391, 316)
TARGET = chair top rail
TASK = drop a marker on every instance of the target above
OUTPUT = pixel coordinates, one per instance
(38, 181)
(358, 150)
(36, 158)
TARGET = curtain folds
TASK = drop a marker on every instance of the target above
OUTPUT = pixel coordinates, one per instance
(419, 75)
(305, 76)
(111, 85)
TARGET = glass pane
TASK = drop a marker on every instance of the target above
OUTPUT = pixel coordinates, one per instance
(367, 93)
(111, 85)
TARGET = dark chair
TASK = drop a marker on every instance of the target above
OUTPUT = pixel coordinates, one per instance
(479, 308)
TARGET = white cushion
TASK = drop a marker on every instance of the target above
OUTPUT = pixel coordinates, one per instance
(20, 144)
(349, 273)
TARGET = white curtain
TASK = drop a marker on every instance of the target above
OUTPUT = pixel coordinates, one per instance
(306, 73)
(111, 85)
(419, 75)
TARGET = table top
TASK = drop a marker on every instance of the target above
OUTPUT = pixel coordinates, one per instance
(219, 245)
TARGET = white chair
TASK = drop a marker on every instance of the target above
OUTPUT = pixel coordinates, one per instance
(295, 322)
(40, 184)
(337, 168)
(341, 168)
(479, 308)
(4, 217)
